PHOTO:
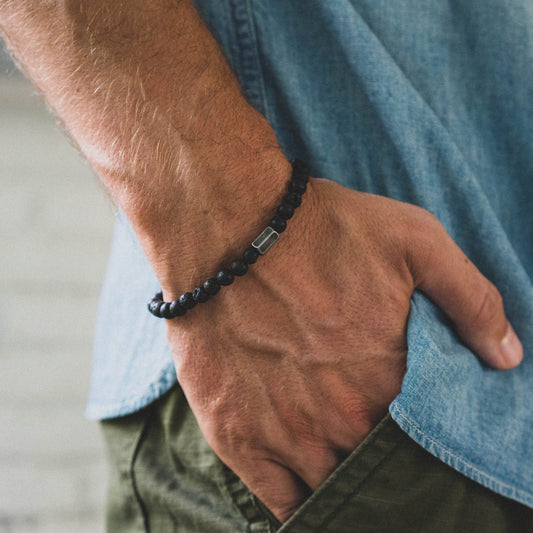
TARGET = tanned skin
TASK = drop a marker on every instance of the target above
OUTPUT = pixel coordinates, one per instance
(290, 368)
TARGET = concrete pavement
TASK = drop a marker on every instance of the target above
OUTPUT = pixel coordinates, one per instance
(55, 229)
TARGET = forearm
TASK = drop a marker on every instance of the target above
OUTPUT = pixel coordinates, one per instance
(151, 102)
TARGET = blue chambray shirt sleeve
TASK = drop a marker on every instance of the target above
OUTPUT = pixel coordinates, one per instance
(132, 364)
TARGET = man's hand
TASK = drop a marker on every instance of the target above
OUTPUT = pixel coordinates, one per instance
(289, 368)
(292, 366)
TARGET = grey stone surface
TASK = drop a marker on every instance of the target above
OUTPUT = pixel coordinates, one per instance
(55, 231)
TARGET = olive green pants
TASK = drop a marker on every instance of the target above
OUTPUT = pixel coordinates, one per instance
(165, 478)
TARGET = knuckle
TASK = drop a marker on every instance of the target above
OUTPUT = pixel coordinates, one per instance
(424, 237)
(229, 436)
(431, 231)
(419, 225)
(284, 510)
(490, 306)
(421, 221)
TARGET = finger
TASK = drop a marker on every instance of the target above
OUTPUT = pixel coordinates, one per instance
(442, 271)
(314, 465)
(282, 491)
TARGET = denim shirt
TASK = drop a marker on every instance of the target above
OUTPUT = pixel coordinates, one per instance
(426, 102)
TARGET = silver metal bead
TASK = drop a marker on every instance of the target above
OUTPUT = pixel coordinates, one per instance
(267, 238)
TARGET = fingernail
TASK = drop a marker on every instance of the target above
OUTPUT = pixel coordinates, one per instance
(511, 348)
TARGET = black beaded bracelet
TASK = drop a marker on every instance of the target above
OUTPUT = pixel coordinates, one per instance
(239, 267)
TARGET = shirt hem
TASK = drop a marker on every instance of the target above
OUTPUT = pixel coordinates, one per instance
(128, 406)
(457, 463)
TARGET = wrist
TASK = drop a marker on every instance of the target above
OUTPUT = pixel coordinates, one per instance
(285, 269)
(239, 266)
(187, 239)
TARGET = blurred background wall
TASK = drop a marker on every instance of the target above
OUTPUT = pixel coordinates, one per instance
(55, 231)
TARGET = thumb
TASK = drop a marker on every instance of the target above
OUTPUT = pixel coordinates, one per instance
(442, 271)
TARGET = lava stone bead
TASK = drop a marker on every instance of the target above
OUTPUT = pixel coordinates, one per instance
(278, 224)
(155, 307)
(225, 277)
(187, 301)
(199, 295)
(285, 211)
(211, 286)
(239, 267)
(250, 255)
(176, 309)
(165, 310)
(298, 187)
(293, 199)
(300, 171)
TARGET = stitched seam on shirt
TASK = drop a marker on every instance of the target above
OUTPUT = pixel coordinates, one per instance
(417, 429)
(247, 59)
(259, 64)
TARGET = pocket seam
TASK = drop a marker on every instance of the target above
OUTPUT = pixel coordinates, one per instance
(386, 426)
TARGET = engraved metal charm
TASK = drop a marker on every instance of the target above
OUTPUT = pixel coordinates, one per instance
(267, 238)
